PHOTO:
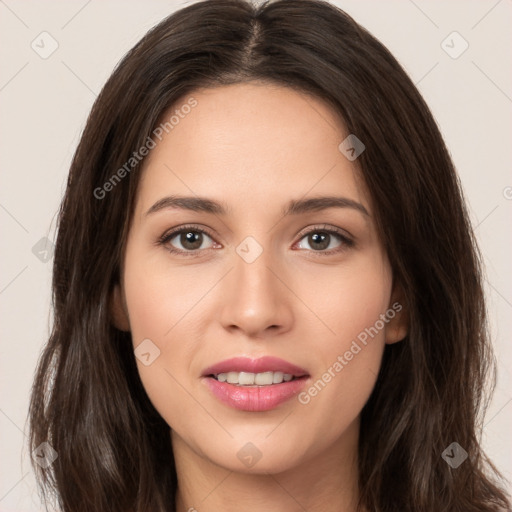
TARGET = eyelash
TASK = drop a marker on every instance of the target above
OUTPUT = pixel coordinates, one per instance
(166, 237)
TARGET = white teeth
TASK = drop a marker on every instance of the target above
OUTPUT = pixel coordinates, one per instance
(263, 379)
(278, 377)
(254, 379)
(232, 378)
(246, 379)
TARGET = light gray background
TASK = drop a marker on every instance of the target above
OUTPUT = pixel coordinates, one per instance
(44, 104)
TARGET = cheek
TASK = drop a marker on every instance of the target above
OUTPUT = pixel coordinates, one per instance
(168, 305)
(350, 302)
(159, 297)
(345, 300)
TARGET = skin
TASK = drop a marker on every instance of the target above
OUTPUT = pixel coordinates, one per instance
(256, 146)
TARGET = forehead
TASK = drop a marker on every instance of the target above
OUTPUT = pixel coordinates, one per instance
(250, 145)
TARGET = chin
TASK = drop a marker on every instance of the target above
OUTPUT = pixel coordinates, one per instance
(258, 453)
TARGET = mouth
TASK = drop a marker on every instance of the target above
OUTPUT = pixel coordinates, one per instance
(254, 385)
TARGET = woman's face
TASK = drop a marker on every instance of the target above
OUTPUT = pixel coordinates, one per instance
(259, 271)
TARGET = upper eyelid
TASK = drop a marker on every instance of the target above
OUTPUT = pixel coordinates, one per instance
(171, 233)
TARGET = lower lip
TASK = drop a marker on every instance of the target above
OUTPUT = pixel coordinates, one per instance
(255, 398)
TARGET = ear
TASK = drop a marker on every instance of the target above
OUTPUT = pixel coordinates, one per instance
(398, 326)
(118, 309)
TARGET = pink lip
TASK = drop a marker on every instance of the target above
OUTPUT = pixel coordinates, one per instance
(263, 364)
(255, 398)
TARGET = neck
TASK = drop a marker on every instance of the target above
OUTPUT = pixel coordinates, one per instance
(326, 481)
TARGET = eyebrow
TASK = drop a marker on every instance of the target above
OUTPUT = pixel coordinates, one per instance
(294, 207)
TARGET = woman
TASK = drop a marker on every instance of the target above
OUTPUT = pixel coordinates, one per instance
(267, 293)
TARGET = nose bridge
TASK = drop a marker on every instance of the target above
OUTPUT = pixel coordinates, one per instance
(252, 272)
(257, 298)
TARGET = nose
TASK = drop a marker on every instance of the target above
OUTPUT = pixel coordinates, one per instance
(257, 300)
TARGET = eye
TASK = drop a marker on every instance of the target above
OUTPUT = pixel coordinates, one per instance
(190, 238)
(320, 238)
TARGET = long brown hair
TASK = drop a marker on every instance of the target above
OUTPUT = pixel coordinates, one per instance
(88, 403)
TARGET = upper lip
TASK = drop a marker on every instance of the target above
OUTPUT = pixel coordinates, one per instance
(260, 365)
